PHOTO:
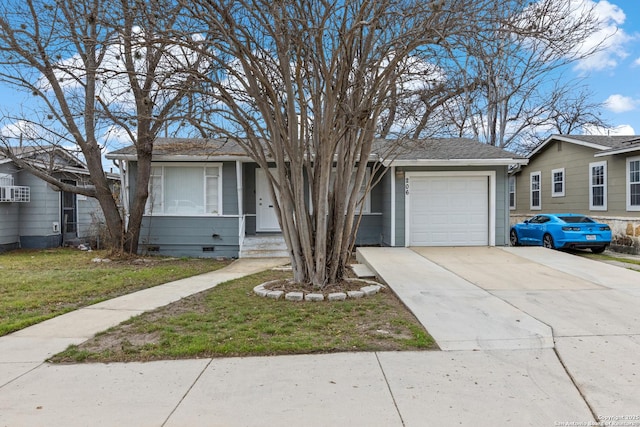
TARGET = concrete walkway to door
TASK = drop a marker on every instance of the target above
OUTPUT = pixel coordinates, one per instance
(534, 303)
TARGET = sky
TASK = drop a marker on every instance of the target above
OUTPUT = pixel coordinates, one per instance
(612, 75)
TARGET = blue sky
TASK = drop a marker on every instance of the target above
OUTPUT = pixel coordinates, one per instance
(613, 75)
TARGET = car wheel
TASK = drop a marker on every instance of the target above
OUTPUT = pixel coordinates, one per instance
(513, 238)
(598, 250)
(547, 241)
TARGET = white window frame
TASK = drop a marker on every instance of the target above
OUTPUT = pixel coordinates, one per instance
(604, 184)
(539, 190)
(203, 166)
(629, 183)
(512, 190)
(555, 193)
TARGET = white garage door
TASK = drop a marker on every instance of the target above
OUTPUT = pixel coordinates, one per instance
(448, 211)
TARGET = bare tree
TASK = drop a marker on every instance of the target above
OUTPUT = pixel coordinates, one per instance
(508, 93)
(309, 85)
(93, 67)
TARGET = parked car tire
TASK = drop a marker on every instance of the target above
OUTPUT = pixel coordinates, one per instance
(547, 241)
(513, 238)
(598, 250)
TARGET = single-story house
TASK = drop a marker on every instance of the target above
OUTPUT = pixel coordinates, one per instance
(208, 198)
(35, 214)
(598, 176)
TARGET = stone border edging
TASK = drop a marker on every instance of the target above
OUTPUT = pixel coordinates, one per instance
(371, 289)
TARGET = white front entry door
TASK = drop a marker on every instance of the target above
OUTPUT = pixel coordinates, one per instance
(266, 219)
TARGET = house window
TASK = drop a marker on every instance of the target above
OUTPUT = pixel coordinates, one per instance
(512, 192)
(598, 186)
(633, 184)
(363, 203)
(557, 182)
(535, 201)
(179, 189)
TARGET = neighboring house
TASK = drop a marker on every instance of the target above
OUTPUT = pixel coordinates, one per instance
(34, 214)
(209, 199)
(597, 176)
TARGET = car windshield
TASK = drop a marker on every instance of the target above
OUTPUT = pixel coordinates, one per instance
(575, 219)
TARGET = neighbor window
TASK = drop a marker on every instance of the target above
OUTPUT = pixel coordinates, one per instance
(535, 185)
(512, 192)
(633, 184)
(598, 186)
(185, 190)
(557, 182)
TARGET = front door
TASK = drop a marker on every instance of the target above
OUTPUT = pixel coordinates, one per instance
(266, 218)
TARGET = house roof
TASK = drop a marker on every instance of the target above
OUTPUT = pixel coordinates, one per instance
(448, 151)
(604, 145)
(459, 151)
(46, 156)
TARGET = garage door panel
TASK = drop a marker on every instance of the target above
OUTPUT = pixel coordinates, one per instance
(448, 211)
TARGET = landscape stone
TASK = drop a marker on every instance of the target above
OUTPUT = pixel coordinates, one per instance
(355, 294)
(261, 291)
(314, 297)
(294, 296)
(337, 296)
(275, 294)
(370, 290)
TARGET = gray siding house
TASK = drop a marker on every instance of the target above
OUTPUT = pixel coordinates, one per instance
(33, 214)
(597, 176)
(208, 199)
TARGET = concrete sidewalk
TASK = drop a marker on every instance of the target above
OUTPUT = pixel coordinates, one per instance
(498, 366)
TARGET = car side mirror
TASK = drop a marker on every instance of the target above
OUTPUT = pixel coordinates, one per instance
(526, 221)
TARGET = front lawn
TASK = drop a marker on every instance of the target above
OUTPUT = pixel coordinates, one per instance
(36, 285)
(230, 320)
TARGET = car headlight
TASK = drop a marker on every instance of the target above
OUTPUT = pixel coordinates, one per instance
(570, 228)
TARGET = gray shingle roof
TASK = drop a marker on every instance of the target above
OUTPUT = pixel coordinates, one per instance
(615, 142)
(451, 148)
(432, 149)
(188, 147)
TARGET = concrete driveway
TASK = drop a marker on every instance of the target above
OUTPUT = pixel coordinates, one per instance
(530, 301)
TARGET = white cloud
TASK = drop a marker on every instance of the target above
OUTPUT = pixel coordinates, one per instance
(610, 39)
(609, 131)
(637, 62)
(620, 103)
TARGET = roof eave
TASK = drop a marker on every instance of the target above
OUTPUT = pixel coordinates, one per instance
(566, 139)
(617, 151)
(182, 158)
(455, 162)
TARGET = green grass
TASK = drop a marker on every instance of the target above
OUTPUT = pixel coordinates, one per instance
(37, 285)
(608, 257)
(230, 320)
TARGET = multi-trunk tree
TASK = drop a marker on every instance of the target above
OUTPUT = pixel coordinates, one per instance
(308, 86)
(95, 68)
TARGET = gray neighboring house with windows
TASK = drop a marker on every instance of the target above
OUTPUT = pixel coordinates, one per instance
(209, 199)
(598, 176)
(34, 214)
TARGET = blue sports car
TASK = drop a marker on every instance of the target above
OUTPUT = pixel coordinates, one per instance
(562, 231)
